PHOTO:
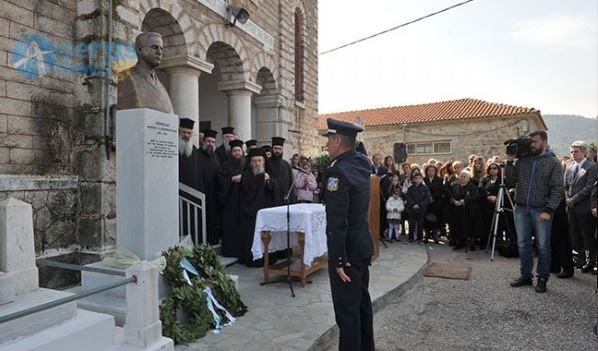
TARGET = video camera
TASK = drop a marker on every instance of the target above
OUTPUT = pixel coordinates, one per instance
(519, 147)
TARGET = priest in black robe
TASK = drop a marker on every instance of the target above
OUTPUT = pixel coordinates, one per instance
(223, 151)
(189, 169)
(250, 144)
(189, 172)
(280, 170)
(229, 186)
(209, 164)
(257, 192)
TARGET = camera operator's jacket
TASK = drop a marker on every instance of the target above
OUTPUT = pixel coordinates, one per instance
(538, 181)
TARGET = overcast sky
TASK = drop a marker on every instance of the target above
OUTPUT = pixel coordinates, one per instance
(532, 53)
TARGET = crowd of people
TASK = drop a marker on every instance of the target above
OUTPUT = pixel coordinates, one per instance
(440, 201)
(456, 202)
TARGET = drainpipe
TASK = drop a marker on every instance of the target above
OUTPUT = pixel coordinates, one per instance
(107, 82)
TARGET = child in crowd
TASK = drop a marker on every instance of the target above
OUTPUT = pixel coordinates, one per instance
(418, 199)
(394, 208)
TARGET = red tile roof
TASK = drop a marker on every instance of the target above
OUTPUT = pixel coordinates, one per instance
(437, 111)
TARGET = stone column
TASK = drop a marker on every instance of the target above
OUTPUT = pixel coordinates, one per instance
(239, 105)
(183, 74)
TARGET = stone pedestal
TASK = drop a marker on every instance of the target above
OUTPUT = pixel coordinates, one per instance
(17, 252)
(147, 181)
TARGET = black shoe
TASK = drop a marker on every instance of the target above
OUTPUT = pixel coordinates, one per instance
(457, 247)
(541, 286)
(521, 281)
(586, 268)
(565, 274)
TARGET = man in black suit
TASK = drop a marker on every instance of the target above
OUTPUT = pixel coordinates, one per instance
(377, 167)
(580, 176)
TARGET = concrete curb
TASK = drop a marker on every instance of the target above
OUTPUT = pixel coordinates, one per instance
(327, 339)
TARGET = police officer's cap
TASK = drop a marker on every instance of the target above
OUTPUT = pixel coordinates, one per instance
(342, 128)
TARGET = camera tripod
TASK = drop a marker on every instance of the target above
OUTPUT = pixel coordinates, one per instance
(499, 210)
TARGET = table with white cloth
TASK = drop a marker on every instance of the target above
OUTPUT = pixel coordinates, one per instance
(307, 229)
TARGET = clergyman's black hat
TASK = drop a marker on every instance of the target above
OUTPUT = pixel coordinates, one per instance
(278, 141)
(266, 148)
(236, 143)
(186, 123)
(228, 130)
(256, 152)
(342, 128)
(251, 142)
(209, 133)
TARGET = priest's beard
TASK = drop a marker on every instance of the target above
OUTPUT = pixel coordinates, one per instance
(208, 149)
(185, 147)
(226, 147)
(258, 170)
(276, 156)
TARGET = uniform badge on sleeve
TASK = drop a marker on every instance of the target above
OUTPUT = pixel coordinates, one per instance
(332, 184)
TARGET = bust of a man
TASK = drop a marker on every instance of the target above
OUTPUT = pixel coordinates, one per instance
(139, 87)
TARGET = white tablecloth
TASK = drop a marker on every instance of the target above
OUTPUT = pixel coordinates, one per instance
(306, 218)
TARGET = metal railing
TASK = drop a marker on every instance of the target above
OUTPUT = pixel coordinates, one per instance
(192, 213)
(75, 296)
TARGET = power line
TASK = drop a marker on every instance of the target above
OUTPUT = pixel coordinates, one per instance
(395, 27)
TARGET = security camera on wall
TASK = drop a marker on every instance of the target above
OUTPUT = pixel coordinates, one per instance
(235, 13)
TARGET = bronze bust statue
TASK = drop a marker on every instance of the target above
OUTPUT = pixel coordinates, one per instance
(139, 87)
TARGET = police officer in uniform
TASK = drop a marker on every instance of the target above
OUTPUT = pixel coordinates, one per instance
(350, 247)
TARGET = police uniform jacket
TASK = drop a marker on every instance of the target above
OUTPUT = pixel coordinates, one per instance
(346, 196)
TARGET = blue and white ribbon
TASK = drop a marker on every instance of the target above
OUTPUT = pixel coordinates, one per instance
(213, 302)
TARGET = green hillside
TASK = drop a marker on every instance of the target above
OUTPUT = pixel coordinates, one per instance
(564, 129)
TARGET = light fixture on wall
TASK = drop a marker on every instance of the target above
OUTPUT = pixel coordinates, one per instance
(235, 14)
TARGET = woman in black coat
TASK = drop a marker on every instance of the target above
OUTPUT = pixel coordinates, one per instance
(439, 194)
(466, 197)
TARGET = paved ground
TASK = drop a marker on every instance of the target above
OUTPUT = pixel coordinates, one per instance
(485, 313)
(276, 321)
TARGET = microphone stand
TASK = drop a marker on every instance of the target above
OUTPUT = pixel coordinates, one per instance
(287, 200)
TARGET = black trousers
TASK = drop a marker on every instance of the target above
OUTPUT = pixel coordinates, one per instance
(582, 227)
(416, 224)
(560, 243)
(353, 307)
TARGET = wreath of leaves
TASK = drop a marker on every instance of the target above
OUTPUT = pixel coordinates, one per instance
(189, 302)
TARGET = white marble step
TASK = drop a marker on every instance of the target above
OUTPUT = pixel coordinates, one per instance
(36, 322)
(87, 331)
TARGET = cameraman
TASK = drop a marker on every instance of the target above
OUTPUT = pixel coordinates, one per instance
(538, 182)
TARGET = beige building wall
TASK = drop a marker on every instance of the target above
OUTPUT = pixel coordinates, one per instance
(483, 137)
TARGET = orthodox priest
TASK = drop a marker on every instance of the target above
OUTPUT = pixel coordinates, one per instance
(208, 162)
(223, 151)
(189, 170)
(250, 144)
(257, 192)
(229, 185)
(280, 170)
